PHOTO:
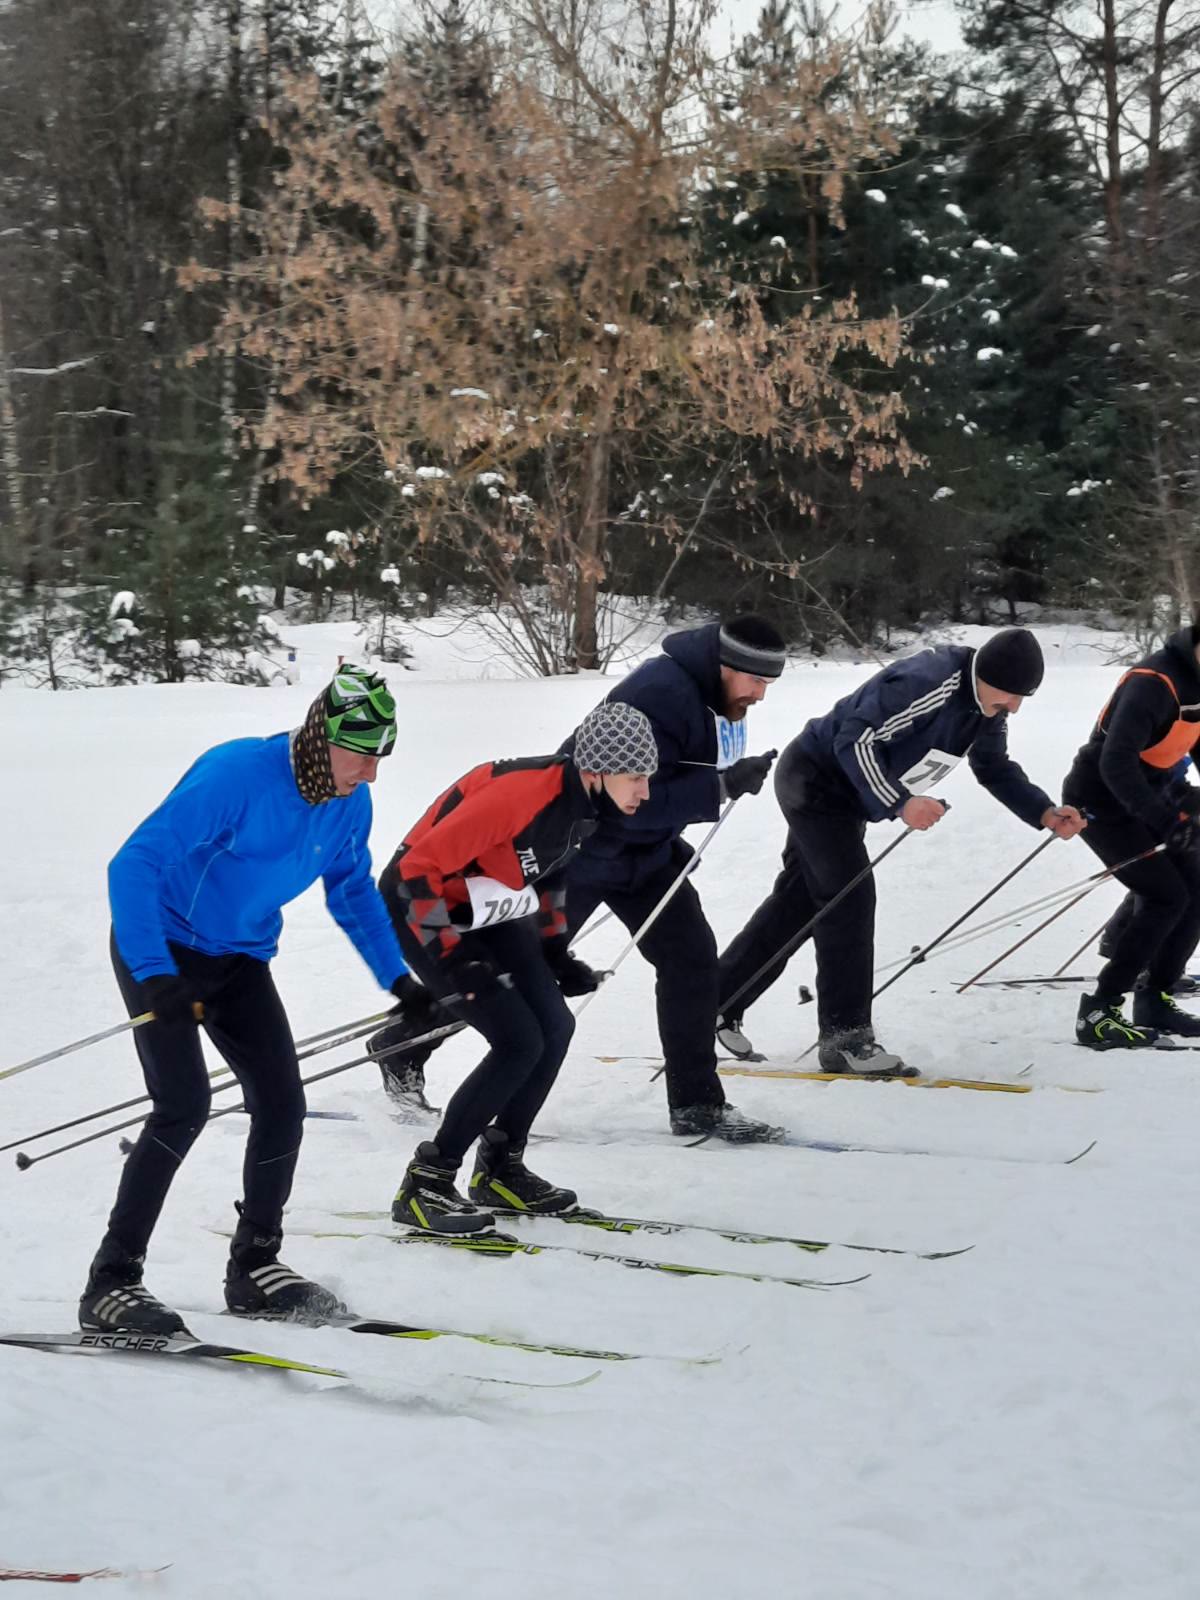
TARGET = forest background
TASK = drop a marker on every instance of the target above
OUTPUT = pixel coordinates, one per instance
(557, 313)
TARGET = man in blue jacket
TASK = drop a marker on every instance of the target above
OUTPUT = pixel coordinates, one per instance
(871, 759)
(696, 695)
(196, 894)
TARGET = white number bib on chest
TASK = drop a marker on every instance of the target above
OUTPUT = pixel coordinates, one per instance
(929, 771)
(493, 902)
(731, 742)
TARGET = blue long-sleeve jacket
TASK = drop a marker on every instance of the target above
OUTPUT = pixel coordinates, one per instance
(233, 842)
(904, 729)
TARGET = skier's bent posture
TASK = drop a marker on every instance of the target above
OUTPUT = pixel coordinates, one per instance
(871, 759)
(196, 894)
(477, 898)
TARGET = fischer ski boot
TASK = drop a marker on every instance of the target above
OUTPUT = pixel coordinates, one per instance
(428, 1200)
(856, 1052)
(116, 1298)
(723, 1122)
(502, 1181)
(732, 1040)
(1156, 1010)
(1102, 1025)
(258, 1284)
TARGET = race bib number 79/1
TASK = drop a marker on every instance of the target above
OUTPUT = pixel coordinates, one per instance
(493, 902)
(929, 771)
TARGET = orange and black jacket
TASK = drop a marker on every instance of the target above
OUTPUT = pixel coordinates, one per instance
(1150, 725)
(519, 822)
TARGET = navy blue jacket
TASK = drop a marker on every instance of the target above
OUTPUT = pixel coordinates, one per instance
(904, 729)
(680, 692)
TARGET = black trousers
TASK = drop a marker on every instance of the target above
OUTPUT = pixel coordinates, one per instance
(825, 849)
(683, 952)
(1162, 930)
(245, 1019)
(528, 1027)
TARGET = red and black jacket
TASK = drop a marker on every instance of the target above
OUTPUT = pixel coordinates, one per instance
(519, 822)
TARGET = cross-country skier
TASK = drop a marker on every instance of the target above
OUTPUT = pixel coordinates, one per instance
(476, 894)
(696, 695)
(871, 759)
(196, 894)
(1123, 777)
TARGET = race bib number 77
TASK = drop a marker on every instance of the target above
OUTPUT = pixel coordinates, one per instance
(493, 902)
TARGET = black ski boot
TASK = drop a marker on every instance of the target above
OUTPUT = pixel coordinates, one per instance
(1102, 1025)
(856, 1052)
(258, 1284)
(503, 1182)
(403, 1073)
(428, 1200)
(115, 1297)
(723, 1122)
(1156, 1010)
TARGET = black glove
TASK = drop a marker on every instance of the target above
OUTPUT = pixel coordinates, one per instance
(420, 1009)
(1181, 837)
(746, 776)
(170, 997)
(476, 978)
(575, 977)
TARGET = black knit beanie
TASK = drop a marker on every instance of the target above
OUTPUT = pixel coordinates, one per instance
(1011, 661)
(749, 644)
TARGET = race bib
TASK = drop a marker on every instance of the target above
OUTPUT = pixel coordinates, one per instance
(929, 771)
(493, 902)
(731, 742)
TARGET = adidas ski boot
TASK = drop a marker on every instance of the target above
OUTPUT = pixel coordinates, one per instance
(734, 1042)
(1156, 1010)
(116, 1298)
(258, 1284)
(502, 1182)
(1102, 1025)
(855, 1051)
(723, 1122)
(428, 1200)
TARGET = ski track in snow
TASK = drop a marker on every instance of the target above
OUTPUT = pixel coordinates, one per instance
(1015, 1424)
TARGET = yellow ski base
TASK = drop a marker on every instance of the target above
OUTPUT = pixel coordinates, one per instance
(850, 1077)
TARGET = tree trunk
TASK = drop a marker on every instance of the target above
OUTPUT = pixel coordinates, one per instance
(13, 481)
(589, 546)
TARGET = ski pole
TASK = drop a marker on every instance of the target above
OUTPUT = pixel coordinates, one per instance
(1054, 915)
(1086, 945)
(356, 1030)
(788, 949)
(688, 868)
(971, 910)
(24, 1162)
(79, 1044)
(586, 933)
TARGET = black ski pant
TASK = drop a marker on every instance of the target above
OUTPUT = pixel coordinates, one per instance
(1162, 930)
(683, 952)
(244, 1018)
(825, 849)
(527, 1025)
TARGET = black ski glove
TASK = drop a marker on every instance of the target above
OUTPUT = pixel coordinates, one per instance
(575, 977)
(477, 979)
(746, 776)
(171, 998)
(1182, 835)
(420, 1009)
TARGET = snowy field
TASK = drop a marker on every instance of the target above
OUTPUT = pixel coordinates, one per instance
(1019, 1423)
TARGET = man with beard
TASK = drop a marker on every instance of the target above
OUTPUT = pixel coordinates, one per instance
(696, 695)
(1127, 777)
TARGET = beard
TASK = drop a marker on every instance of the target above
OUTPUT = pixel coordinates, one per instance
(735, 709)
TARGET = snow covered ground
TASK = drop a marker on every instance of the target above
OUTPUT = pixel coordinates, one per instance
(1019, 1423)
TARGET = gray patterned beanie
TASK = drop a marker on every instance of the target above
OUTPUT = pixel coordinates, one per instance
(616, 737)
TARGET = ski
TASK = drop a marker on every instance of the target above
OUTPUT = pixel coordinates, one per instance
(24, 1575)
(988, 1085)
(503, 1245)
(387, 1329)
(833, 1147)
(625, 1225)
(120, 1342)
